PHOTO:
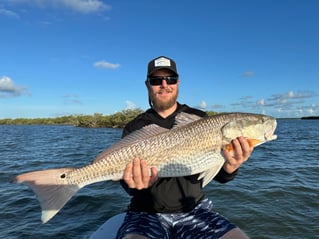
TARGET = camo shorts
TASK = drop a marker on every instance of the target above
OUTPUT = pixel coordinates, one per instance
(200, 223)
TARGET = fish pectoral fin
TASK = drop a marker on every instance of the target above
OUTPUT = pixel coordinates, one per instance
(51, 189)
(251, 142)
(209, 174)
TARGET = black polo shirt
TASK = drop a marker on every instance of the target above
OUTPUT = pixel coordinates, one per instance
(168, 195)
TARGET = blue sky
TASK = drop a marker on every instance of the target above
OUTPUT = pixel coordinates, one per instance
(68, 57)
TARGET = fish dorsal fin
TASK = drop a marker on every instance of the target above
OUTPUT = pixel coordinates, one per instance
(143, 133)
(148, 131)
(138, 135)
(183, 118)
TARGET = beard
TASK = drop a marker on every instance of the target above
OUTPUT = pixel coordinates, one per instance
(160, 105)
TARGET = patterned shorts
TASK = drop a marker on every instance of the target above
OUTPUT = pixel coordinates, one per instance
(200, 223)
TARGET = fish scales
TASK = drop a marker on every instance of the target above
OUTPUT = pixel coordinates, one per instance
(193, 146)
(179, 147)
(182, 146)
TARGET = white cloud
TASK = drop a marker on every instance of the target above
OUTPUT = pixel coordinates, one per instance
(311, 111)
(85, 6)
(71, 99)
(283, 97)
(80, 6)
(9, 89)
(248, 73)
(217, 106)
(8, 13)
(130, 105)
(261, 102)
(203, 104)
(106, 65)
(285, 104)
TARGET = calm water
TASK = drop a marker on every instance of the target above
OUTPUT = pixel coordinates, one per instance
(275, 195)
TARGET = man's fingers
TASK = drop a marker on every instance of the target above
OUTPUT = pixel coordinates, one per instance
(241, 153)
(145, 173)
(154, 176)
(137, 174)
(245, 147)
(128, 175)
(237, 146)
(137, 170)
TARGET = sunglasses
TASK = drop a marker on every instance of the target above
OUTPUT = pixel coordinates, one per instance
(157, 80)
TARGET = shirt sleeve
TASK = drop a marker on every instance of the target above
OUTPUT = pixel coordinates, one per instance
(224, 177)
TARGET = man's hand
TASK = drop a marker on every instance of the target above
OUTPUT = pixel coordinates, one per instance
(242, 151)
(137, 174)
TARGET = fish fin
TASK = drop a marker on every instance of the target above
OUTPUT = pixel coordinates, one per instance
(146, 132)
(183, 118)
(52, 190)
(209, 174)
(143, 133)
(251, 142)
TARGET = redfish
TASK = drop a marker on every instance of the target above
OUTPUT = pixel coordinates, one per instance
(193, 146)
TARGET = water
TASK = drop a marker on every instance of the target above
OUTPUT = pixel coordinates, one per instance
(275, 195)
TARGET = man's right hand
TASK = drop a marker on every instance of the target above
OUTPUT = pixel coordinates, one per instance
(137, 174)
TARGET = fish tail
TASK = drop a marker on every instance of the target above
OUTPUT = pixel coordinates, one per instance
(51, 187)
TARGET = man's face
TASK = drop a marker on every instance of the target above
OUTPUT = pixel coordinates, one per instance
(164, 95)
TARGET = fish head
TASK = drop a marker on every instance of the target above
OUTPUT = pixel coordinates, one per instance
(256, 127)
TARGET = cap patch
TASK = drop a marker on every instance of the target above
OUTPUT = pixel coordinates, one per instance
(162, 62)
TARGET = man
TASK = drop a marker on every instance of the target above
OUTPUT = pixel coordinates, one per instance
(173, 207)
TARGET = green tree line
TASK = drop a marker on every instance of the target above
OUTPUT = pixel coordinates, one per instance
(117, 120)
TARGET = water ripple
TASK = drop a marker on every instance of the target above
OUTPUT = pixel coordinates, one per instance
(275, 194)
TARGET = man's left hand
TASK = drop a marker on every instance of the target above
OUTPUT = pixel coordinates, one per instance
(241, 153)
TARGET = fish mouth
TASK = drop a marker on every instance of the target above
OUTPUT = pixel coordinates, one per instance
(269, 134)
(270, 137)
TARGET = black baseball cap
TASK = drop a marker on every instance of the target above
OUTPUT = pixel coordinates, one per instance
(161, 62)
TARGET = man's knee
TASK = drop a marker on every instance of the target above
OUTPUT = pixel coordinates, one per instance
(235, 233)
(134, 236)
